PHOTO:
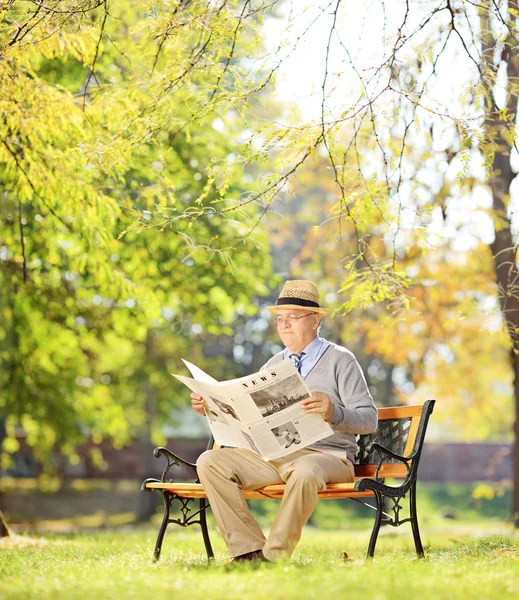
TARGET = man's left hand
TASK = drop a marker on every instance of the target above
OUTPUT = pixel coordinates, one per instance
(319, 403)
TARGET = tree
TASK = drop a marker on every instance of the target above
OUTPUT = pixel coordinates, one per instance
(424, 124)
(117, 239)
(485, 35)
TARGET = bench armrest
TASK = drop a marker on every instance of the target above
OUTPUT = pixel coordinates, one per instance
(383, 450)
(172, 460)
(375, 482)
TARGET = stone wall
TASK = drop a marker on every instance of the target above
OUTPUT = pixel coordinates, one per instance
(466, 463)
(116, 489)
(440, 461)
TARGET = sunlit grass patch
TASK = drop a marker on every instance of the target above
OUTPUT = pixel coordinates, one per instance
(15, 541)
(118, 564)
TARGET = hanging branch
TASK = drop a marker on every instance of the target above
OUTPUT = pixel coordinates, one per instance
(231, 51)
(96, 54)
(20, 223)
(35, 191)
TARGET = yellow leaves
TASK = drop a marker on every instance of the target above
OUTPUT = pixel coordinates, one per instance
(377, 283)
(47, 483)
(96, 456)
(48, 154)
(10, 445)
(500, 218)
(18, 258)
(436, 329)
(135, 224)
(91, 307)
(483, 491)
(220, 298)
(108, 153)
(416, 120)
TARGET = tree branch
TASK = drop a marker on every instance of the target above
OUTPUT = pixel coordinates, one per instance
(20, 224)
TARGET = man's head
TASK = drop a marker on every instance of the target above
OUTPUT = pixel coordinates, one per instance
(297, 314)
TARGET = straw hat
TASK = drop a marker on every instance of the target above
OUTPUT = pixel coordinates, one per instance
(299, 293)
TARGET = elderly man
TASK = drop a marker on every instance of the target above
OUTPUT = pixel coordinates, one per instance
(339, 394)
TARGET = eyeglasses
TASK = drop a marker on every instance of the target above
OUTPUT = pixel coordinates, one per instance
(289, 320)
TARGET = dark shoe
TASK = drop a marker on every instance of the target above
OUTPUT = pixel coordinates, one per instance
(255, 557)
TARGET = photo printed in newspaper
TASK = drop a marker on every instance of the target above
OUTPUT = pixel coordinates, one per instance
(260, 412)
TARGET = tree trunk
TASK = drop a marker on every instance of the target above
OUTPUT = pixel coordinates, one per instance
(148, 501)
(4, 531)
(515, 475)
(503, 248)
(507, 278)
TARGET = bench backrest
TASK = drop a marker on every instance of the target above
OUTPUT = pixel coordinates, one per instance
(401, 430)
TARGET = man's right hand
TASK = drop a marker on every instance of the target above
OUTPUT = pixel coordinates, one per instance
(197, 402)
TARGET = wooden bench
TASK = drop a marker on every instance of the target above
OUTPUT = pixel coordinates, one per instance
(393, 451)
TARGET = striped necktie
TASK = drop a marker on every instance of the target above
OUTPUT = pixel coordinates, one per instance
(298, 360)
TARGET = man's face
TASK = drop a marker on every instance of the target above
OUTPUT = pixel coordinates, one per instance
(297, 327)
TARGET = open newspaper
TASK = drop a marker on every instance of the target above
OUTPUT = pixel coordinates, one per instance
(260, 412)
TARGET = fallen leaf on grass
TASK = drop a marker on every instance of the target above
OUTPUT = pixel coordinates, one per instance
(506, 551)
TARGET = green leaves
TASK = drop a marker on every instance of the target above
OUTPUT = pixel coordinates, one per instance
(117, 178)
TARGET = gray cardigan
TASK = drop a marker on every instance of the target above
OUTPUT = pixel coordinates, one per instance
(338, 374)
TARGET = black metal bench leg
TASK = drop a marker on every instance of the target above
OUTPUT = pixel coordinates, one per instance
(163, 526)
(376, 526)
(204, 504)
(414, 522)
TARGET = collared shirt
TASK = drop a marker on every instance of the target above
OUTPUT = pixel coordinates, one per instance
(312, 353)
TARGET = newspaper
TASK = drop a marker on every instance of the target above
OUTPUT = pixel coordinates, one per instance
(260, 412)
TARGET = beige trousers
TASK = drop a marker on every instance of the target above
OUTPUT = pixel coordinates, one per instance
(225, 471)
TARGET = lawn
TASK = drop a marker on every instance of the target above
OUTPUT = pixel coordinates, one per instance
(463, 561)
(471, 553)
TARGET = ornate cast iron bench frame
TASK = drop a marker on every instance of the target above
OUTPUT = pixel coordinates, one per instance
(393, 451)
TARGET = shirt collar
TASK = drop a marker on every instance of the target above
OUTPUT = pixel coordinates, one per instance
(311, 351)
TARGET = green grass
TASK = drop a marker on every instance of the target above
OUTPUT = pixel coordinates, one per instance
(117, 564)
(473, 553)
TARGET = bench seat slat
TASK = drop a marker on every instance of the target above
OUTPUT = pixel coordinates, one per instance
(336, 490)
(391, 470)
(196, 490)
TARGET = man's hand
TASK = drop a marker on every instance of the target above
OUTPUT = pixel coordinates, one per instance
(197, 402)
(319, 403)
